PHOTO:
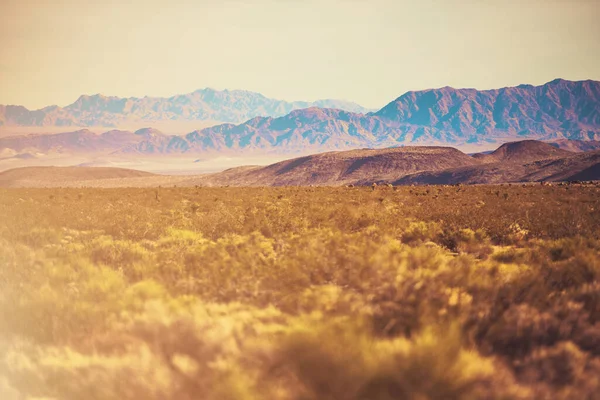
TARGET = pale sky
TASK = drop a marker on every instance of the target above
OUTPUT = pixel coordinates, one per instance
(371, 51)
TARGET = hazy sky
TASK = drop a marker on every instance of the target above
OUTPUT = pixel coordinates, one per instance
(367, 51)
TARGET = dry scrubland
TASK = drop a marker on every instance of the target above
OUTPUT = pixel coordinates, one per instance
(487, 292)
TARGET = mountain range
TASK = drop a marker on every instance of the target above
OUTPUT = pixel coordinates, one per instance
(555, 111)
(202, 105)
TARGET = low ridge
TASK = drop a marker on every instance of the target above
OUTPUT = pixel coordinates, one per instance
(523, 151)
(54, 176)
(526, 161)
(345, 167)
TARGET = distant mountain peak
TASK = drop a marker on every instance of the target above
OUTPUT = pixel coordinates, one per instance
(314, 111)
(558, 81)
(149, 132)
(87, 97)
(206, 104)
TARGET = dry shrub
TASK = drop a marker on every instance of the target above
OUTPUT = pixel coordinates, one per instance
(420, 232)
(299, 293)
(341, 360)
(562, 371)
(467, 241)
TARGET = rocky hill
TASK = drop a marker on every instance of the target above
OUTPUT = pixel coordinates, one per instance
(337, 168)
(418, 165)
(579, 166)
(522, 152)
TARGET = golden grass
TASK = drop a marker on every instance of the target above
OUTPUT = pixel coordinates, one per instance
(487, 292)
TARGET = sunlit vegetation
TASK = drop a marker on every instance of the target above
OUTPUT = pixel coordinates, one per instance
(479, 292)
